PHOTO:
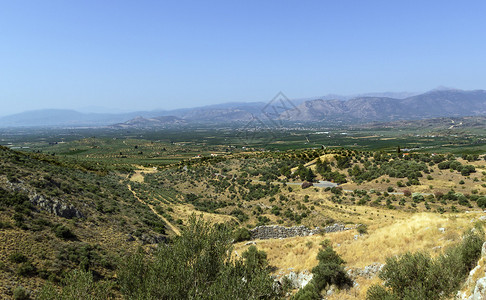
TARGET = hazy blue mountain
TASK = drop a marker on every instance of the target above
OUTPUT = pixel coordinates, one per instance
(141, 122)
(436, 103)
(62, 117)
(440, 102)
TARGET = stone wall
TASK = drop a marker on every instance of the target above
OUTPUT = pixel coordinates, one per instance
(280, 232)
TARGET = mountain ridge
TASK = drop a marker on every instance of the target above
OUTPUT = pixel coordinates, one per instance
(441, 102)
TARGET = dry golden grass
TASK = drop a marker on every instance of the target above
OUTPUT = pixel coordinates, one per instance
(387, 236)
(138, 176)
(184, 211)
(325, 157)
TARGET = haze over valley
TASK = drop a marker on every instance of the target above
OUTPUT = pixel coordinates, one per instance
(233, 150)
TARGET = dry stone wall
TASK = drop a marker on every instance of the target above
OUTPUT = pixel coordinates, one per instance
(280, 232)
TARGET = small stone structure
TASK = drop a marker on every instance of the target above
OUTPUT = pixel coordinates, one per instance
(279, 232)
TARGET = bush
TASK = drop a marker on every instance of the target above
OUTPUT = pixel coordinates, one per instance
(241, 234)
(20, 293)
(63, 232)
(418, 276)
(330, 270)
(197, 265)
(481, 202)
(26, 269)
(362, 229)
(308, 292)
(17, 257)
(239, 214)
(78, 284)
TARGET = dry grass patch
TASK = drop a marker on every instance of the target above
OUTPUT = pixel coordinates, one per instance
(184, 211)
(386, 237)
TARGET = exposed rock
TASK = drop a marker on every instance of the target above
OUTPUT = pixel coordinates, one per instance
(55, 207)
(480, 290)
(278, 232)
(330, 291)
(297, 280)
(369, 272)
(52, 206)
(475, 289)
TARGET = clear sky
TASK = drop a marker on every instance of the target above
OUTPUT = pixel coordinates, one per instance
(134, 55)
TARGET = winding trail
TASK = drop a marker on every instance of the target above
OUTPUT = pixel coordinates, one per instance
(172, 227)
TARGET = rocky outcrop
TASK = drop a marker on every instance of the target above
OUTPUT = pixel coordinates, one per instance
(55, 207)
(297, 280)
(369, 272)
(475, 289)
(52, 206)
(280, 232)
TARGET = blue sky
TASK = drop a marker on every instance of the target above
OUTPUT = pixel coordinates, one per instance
(134, 55)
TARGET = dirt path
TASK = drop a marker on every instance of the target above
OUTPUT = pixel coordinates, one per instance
(172, 227)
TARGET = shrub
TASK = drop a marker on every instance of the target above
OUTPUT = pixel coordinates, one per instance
(308, 292)
(239, 214)
(418, 276)
(78, 284)
(20, 293)
(481, 202)
(362, 229)
(63, 232)
(26, 269)
(330, 270)
(197, 265)
(241, 234)
(17, 257)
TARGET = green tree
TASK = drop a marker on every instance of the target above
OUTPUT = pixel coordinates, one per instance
(197, 265)
(330, 270)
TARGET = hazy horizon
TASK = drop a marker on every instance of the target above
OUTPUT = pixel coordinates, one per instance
(115, 110)
(124, 56)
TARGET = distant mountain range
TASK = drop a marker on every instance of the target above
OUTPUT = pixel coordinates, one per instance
(141, 122)
(360, 109)
(438, 103)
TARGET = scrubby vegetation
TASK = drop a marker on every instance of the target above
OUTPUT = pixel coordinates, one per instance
(329, 271)
(196, 265)
(418, 276)
(136, 194)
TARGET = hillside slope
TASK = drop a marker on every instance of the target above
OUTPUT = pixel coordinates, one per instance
(56, 216)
